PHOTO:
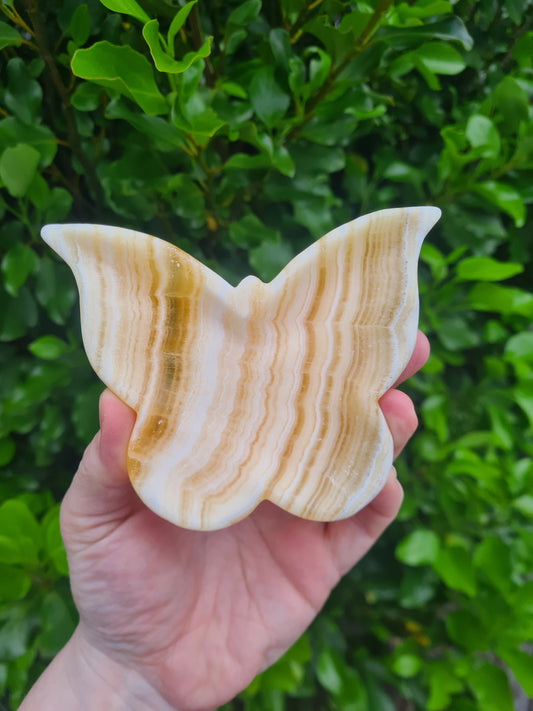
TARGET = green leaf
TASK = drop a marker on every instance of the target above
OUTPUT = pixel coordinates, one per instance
(80, 25)
(515, 8)
(467, 631)
(190, 202)
(417, 588)
(418, 548)
(20, 535)
(520, 346)
(17, 315)
(524, 504)
(452, 29)
(86, 97)
(440, 58)
(456, 335)
(17, 520)
(9, 37)
(10, 551)
(120, 69)
(483, 135)
(161, 132)
(197, 118)
(329, 670)
(505, 198)
(487, 269)
(377, 697)
(48, 347)
(58, 205)
(54, 290)
(247, 162)
(13, 131)
(127, 7)
(491, 687)
(403, 173)
(521, 664)
(493, 557)
(443, 683)
(523, 50)
(19, 262)
(269, 100)
(434, 407)
(502, 426)
(162, 60)
(234, 40)
(282, 161)
(17, 168)
(355, 22)
(250, 232)
(7, 450)
(177, 23)
(354, 696)
(23, 95)
(501, 299)
(85, 412)
(280, 44)
(14, 632)
(245, 13)
(57, 624)
(14, 583)
(522, 394)
(233, 89)
(319, 67)
(268, 259)
(454, 566)
(406, 665)
(511, 101)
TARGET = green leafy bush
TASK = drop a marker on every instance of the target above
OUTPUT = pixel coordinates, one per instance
(241, 131)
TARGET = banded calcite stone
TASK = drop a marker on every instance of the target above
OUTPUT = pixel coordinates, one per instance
(259, 391)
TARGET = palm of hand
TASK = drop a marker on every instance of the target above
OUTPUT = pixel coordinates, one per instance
(249, 593)
(199, 614)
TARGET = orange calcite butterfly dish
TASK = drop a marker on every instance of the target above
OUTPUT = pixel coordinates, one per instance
(259, 391)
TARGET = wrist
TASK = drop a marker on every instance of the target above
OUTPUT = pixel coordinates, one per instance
(81, 678)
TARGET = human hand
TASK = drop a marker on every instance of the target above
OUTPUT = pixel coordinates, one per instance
(179, 619)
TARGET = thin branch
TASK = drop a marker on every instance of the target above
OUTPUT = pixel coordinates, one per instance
(295, 29)
(197, 42)
(16, 19)
(363, 42)
(41, 38)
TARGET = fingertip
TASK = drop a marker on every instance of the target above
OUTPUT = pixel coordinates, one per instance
(418, 358)
(400, 414)
(389, 500)
(424, 348)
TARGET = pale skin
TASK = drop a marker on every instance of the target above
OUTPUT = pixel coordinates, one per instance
(172, 619)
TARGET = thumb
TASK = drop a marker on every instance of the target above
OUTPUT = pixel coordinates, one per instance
(116, 425)
(101, 493)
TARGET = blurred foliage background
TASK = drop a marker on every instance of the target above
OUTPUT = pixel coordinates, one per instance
(242, 131)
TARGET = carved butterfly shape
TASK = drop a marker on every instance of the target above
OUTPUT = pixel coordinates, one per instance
(259, 391)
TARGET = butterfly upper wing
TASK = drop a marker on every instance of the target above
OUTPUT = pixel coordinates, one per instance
(132, 287)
